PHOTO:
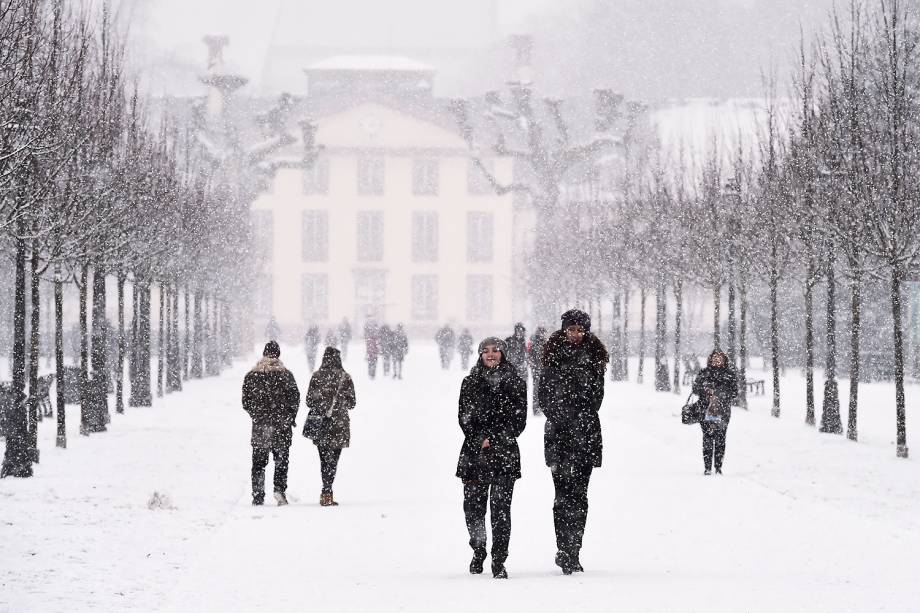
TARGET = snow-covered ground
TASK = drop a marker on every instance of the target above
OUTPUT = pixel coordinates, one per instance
(799, 522)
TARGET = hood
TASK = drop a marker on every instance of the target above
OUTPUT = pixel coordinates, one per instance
(269, 365)
(332, 359)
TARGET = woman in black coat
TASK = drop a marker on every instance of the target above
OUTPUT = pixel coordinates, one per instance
(570, 394)
(492, 414)
(716, 387)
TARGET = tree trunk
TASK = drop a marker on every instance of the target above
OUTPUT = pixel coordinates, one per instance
(830, 413)
(742, 347)
(900, 415)
(187, 341)
(160, 344)
(809, 347)
(732, 326)
(679, 300)
(141, 395)
(662, 378)
(197, 337)
(135, 340)
(120, 355)
(174, 366)
(642, 297)
(774, 328)
(100, 377)
(61, 440)
(17, 459)
(34, 407)
(716, 316)
(855, 308)
(626, 346)
(84, 353)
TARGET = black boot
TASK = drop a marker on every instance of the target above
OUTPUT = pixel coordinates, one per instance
(568, 563)
(479, 556)
(498, 570)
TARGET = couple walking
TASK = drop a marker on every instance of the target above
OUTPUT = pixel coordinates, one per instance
(493, 414)
(271, 398)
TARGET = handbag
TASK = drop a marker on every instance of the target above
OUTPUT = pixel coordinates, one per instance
(690, 413)
(317, 418)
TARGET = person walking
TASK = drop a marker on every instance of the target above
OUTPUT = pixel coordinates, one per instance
(311, 344)
(386, 348)
(465, 348)
(492, 415)
(717, 387)
(570, 395)
(332, 338)
(371, 346)
(332, 395)
(535, 360)
(445, 339)
(344, 337)
(271, 398)
(400, 349)
(517, 349)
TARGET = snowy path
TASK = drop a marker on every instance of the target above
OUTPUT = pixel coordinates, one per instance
(800, 521)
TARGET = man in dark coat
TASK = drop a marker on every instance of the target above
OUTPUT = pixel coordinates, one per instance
(271, 398)
(371, 346)
(311, 344)
(465, 348)
(535, 360)
(344, 337)
(570, 395)
(400, 349)
(445, 339)
(386, 348)
(716, 387)
(517, 349)
(492, 415)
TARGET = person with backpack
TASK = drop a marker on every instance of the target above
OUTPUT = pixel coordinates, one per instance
(271, 398)
(716, 386)
(492, 415)
(330, 397)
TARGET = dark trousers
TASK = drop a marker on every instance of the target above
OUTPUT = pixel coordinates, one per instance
(386, 365)
(328, 464)
(713, 444)
(372, 366)
(476, 496)
(281, 455)
(535, 402)
(397, 368)
(570, 507)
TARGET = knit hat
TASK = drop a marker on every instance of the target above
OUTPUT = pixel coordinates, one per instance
(575, 317)
(272, 350)
(493, 340)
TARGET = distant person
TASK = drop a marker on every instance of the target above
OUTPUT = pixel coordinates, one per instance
(534, 359)
(465, 348)
(571, 392)
(272, 330)
(344, 337)
(445, 339)
(271, 398)
(371, 346)
(332, 393)
(332, 338)
(386, 348)
(716, 386)
(517, 349)
(492, 414)
(310, 345)
(400, 349)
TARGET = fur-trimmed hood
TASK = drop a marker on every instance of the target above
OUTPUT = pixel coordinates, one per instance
(269, 365)
(558, 350)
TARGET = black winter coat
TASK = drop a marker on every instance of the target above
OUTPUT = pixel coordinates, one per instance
(320, 395)
(271, 397)
(496, 413)
(517, 351)
(724, 382)
(570, 394)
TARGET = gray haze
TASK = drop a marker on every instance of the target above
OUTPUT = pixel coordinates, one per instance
(649, 49)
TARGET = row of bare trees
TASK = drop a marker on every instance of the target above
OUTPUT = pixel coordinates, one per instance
(96, 186)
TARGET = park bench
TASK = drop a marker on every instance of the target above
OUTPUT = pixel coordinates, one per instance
(756, 387)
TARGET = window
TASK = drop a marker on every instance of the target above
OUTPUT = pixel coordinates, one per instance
(479, 298)
(425, 297)
(477, 183)
(316, 178)
(370, 294)
(263, 235)
(315, 236)
(370, 176)
(370, 236)
(264, 304)
(315, 297)
(480, 236)
(425, 177)
(425, 236)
